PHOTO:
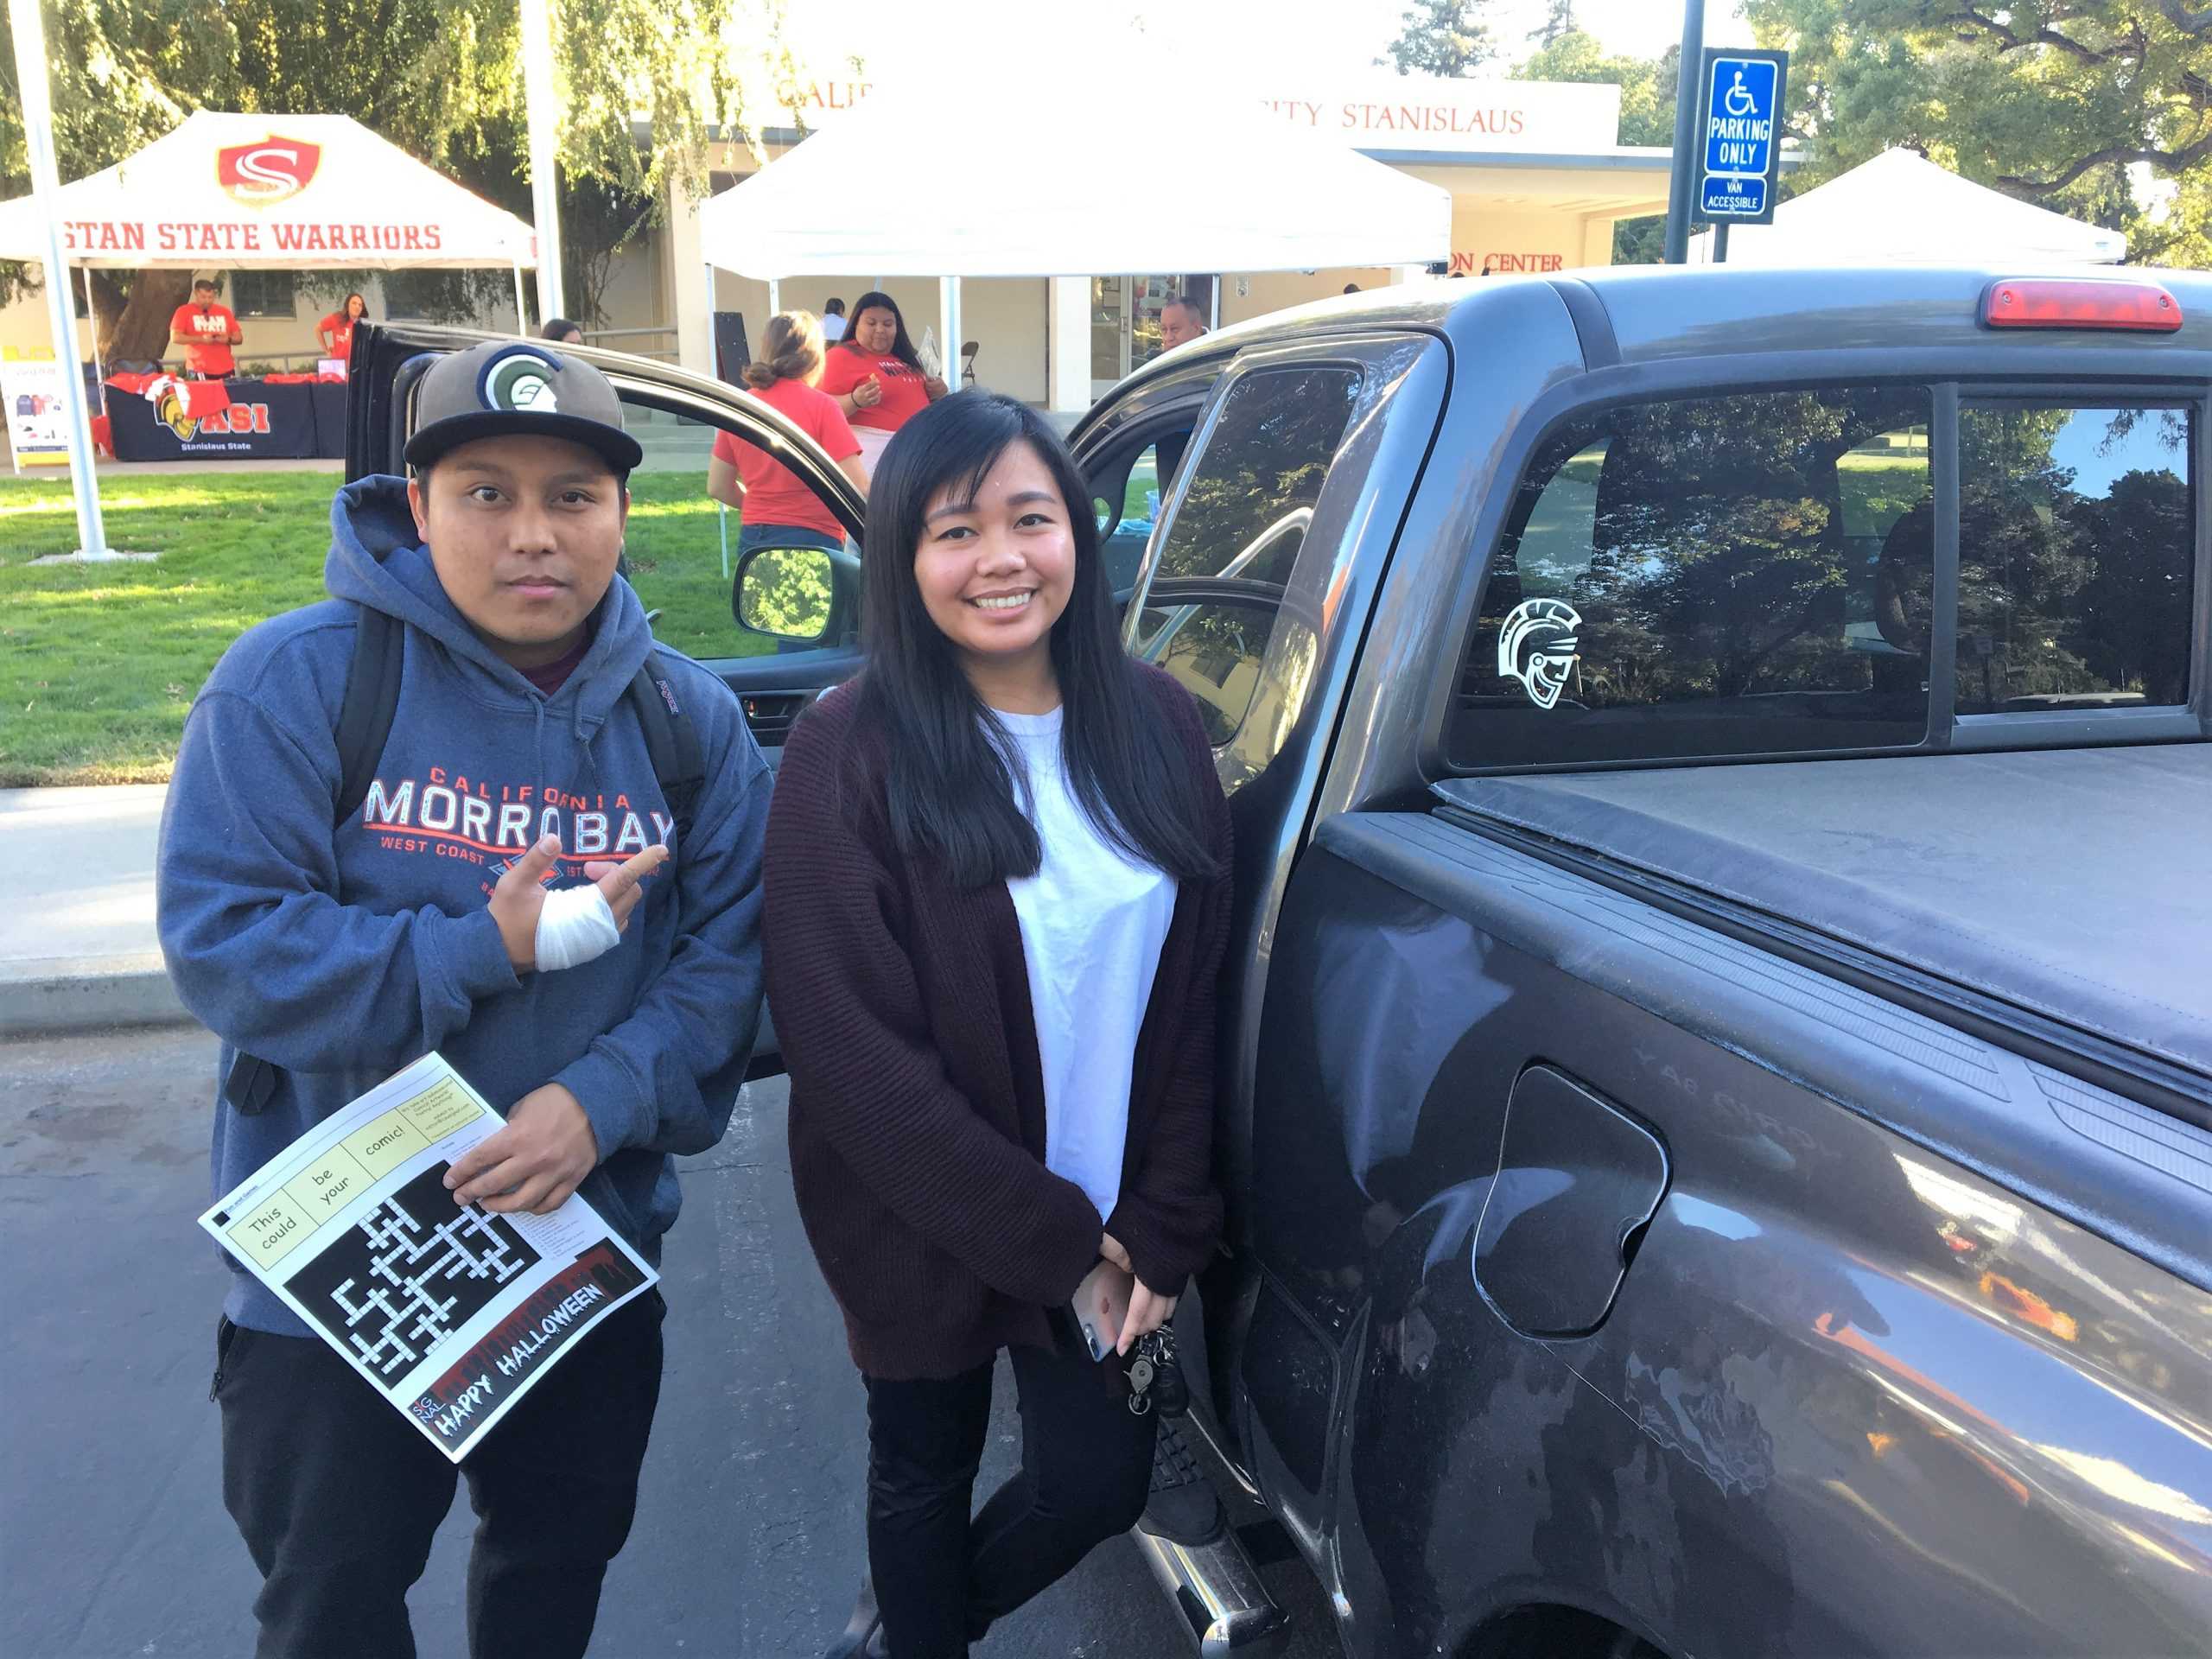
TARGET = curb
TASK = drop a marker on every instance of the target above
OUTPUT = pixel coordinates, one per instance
(46, 995)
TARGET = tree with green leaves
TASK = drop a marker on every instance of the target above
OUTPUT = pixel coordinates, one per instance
(1647, 114)
(443, 82)
(1441, 37)
(2067, 103)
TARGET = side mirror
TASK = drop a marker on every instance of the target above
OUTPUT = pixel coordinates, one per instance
(787, 593)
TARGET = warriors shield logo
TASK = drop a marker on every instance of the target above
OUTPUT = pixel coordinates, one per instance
(1538, 646)
(274, 170)
(520, 380)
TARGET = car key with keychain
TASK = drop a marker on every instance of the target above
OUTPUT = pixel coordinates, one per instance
(1151, 1371)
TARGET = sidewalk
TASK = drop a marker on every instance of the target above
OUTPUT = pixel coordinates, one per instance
(77, 943)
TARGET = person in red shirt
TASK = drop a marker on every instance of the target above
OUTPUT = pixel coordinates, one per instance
(336, 330)
(780, 509)
(207, 329)
(875, 376)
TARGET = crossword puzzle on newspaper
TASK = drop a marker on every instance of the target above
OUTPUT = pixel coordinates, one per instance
(413, 1271)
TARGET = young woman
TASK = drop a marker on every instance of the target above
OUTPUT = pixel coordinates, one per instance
(876, 377)
(336, 330)
(996, 894)
(780, 509)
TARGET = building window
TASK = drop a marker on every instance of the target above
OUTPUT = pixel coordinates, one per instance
(2075, 568)
(264, 294)
(426, 295)
(1710, 576)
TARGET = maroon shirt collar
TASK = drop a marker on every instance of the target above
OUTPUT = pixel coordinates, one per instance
(549, 678)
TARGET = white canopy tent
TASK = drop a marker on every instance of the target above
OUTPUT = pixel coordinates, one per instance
(285, 192)
(1900, 208)
(1065, 179)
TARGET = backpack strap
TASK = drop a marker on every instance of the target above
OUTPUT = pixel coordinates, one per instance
(679, 760)
(364, 724)
(372, 701)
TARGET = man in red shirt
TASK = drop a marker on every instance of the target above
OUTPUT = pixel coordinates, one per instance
(207, 329)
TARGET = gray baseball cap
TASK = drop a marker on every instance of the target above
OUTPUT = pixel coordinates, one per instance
(506, 386)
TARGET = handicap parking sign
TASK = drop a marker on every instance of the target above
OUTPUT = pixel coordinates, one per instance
(1739, 118)
(1743, 134)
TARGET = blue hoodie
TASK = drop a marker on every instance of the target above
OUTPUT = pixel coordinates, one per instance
(339, 956)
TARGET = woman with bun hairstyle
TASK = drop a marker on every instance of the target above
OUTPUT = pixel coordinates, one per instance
(780, 509)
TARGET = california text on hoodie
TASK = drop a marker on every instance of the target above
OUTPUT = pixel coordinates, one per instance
(341, 956)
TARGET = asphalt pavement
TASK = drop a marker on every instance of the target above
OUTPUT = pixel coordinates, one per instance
(748, 1544)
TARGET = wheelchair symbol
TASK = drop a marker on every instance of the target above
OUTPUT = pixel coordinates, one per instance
(1737, 99)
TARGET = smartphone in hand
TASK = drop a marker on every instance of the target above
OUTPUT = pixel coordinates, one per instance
(1101, 1307)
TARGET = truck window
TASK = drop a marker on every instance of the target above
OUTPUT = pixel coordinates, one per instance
(1238, 529)
(1726, 575)
(2076, 573)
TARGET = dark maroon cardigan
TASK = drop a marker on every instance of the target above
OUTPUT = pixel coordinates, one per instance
(917, 1098)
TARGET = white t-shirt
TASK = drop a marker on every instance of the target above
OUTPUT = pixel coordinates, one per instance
(833, 329)
(1093, 922)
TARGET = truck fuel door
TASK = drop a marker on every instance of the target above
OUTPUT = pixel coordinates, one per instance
(1578, 1181)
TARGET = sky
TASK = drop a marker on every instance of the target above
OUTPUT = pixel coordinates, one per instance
(1212, 39)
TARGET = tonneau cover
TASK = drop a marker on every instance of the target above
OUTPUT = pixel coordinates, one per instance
(2072, 882)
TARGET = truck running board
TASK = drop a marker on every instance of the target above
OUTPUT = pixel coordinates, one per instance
(1217, 1590)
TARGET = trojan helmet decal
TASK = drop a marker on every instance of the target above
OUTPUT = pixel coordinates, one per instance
(520, 380)
(170, 408)
(1538, 645)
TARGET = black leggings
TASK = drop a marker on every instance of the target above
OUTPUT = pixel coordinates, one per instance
(941, 1579)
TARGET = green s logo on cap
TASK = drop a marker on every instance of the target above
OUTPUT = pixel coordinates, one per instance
(520, 380)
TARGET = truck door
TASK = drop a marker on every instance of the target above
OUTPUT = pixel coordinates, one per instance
(1274, 529)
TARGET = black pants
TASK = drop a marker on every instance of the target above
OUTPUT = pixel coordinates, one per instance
(940, 1578)
(338, 1496)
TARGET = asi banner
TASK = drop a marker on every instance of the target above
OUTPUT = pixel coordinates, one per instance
(30, 384)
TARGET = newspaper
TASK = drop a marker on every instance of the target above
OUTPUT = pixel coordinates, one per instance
(451, 1312)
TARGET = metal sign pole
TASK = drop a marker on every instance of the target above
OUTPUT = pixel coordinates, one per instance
(23, 17)
(544, 111)
(92, 332)
(1687, 93)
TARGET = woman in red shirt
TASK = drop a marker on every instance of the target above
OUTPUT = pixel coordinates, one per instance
(780, 509)
(336, 330)
(875, 376)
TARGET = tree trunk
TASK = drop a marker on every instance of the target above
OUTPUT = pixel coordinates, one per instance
(137, 328)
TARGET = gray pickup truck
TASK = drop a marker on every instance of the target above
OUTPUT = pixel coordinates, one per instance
(1717, 1071)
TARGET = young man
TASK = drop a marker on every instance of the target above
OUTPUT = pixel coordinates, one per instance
(324, 959)
(207, 329)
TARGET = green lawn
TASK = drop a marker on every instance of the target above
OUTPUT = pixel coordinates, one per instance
(98, 663)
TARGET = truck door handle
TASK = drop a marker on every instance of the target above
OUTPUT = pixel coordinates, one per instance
(1578, 1179)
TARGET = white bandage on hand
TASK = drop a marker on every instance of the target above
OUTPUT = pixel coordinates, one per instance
(574, 927)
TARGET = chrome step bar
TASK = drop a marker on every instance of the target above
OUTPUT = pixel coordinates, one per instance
(1218, 1591)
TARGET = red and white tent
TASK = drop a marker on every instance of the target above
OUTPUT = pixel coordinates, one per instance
(273, 192)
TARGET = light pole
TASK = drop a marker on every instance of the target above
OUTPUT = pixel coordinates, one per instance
(544, 141)
(1683, 186)
(29, 26)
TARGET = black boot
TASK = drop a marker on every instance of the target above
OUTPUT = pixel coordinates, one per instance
(863, 1633)
(1182, 1505)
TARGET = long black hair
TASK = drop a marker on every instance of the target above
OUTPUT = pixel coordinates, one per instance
(951, 765)
(902, 347)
